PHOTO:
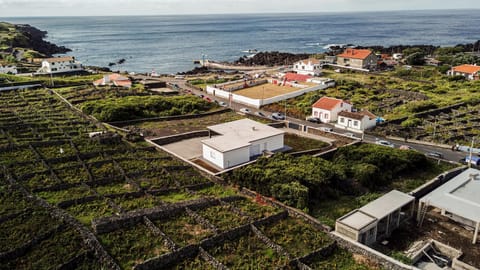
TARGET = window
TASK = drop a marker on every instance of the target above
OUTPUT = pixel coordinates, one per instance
(355, 123)
(326, 116)
(342, 120)
(303, 67)
(315, 113)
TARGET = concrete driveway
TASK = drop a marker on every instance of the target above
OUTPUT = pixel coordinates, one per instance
(187, 149)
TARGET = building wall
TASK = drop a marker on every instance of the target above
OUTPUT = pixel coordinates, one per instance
(57, 67)
(362, 125)
(272, 143)
(213, 156)
(307, 69)
(236, 157)
(369, 62)
(331, 116)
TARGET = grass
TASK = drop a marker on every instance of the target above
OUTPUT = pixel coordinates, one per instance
(340, 260)
(300, 143)
(177, 197)
(129, 204)
(217, 191)
(133, 245)
(222, 217)
(255, 210)
(55, 197)
(184, 230)
(86, 212)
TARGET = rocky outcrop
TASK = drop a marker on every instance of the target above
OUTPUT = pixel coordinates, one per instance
(271, 59)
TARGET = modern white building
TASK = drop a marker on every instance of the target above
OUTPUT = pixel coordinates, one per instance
(239, 142)
(309, 66)
(356, 121)
(60, 65)
(327, 109)
(8, 70)
(377, 219)
(457, 199)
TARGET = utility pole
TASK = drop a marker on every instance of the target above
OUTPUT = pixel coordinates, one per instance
(470, 154)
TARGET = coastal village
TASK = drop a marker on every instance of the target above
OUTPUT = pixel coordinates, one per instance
(356, 158)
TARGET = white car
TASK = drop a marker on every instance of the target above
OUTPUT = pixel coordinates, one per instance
(223, 104)
(245, 110)
(385, 143)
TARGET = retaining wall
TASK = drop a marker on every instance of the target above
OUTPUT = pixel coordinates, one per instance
(180, 137)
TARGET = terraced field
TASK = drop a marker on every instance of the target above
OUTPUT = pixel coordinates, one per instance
(73, 202)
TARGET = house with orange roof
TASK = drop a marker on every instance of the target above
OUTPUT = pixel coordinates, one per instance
(60, 65)
(471, 72)
(309, 66)
(356, 121)
(357, 58)
(327, 109)
(114, 80)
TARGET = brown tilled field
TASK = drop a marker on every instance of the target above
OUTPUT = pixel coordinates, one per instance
(266, 90)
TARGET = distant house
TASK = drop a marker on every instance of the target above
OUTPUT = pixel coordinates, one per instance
(240, 141)
(327, 109)
(376, 220)
(356, 58)
(356, 121)
(60, 65)
(471, 72)
(114, 80)
(8, 69)
(309, 66)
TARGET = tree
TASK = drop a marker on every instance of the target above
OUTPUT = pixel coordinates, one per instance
(415, 59)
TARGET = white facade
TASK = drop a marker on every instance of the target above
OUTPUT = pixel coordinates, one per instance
(356, 121)
(308, 67)
(239, 142)
(327, 110)
(60, 65)
(8, 70)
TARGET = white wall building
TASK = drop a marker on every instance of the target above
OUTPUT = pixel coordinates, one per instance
(327, 109)
(60, 65)
(8, 69)
(471, 72)
(356, 121)
(239, 142)
(309, 66)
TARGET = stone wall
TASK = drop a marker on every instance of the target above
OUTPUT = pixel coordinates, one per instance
(181, 137)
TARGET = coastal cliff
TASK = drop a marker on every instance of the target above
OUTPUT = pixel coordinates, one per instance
(25, 36)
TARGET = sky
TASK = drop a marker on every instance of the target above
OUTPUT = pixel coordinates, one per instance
(27, 8)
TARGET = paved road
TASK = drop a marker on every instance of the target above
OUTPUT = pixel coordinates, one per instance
(448, 154)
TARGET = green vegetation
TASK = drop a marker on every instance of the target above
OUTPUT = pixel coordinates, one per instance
(300, 143)
(184, 230)
(340, 260)
(135, 107)
(300, 181)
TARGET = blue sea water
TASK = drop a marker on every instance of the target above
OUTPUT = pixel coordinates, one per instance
(169, 44)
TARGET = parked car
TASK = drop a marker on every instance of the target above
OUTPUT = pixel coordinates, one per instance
(259, 113)
(385, 143)
(245, 110)
(474, 161)
(313, 119)
(223, 104)
(406, 147)
(435, 154)
(327, 129)
(278, 116)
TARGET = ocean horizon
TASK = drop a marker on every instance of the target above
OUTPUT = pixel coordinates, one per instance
(170, 43)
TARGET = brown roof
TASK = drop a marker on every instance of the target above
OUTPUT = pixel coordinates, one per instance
(311, 60)
(59, 59)
(355, 54)
(470, 69)
(357, 115)
(327, 103)
(296, 77)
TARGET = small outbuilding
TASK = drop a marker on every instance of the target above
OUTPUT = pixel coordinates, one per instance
(377, 220)
(457, 199)
(239, 142)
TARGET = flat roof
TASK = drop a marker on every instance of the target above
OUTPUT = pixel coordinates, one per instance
(238, 134)
(386, 204)
(357, 220)
(460, 195)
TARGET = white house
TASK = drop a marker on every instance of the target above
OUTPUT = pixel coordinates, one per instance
(356, 121)
(327, 109)
(60, 65)
(239, 142)
(471, 72)
(8, 69)
(309, 66)
(114, 80)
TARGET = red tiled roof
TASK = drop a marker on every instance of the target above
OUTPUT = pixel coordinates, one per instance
(327, 103)
(296, 77)
(470, 69)
(367, 113)
(352, 115)
(355, 54)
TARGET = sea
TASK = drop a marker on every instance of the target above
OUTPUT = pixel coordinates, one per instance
(171, 44)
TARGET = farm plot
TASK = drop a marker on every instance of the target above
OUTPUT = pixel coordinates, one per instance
(54, 182)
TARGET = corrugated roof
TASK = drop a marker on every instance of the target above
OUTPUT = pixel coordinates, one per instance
(386, 204)
(327, 103)
(470, 69)
(355, 53)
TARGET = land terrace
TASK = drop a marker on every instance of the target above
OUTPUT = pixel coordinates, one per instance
(257, 93)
